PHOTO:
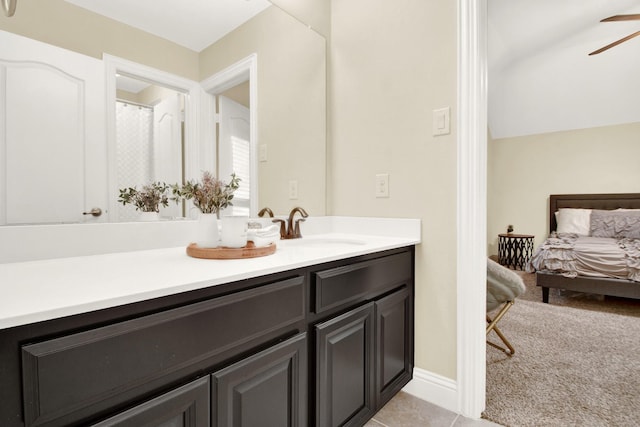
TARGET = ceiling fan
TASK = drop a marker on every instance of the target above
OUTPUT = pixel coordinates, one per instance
(635, 17)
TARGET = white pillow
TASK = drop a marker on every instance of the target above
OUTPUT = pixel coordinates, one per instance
(576, 221)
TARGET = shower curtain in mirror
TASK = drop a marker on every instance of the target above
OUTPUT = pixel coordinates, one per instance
(134, 136)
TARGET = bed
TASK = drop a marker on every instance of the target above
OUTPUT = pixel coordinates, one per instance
(598, 282)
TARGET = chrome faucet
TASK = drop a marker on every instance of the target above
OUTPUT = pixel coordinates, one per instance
(265, 211)
(291, 229)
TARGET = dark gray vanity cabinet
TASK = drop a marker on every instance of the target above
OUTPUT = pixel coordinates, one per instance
(345, 375)
(267, 389)
(70, 378)
(364, 356)
(324, 345)
(186, 406)
(394, 343)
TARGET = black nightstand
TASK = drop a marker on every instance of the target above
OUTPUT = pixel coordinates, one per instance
(514, 250)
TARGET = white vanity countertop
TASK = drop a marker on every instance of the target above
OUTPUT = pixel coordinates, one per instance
(34, 291)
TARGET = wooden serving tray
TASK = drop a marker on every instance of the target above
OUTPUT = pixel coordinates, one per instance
(222, 252)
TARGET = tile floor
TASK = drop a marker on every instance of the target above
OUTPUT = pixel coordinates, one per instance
(405, 410)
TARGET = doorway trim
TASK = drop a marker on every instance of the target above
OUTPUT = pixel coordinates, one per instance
(244, 70)
(471, 206)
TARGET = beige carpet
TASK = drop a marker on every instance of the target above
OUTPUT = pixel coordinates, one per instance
(577, 362)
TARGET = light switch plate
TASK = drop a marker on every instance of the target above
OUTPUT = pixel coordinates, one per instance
(382, 185)
(442, 121)
(293, 190)
(262, 154)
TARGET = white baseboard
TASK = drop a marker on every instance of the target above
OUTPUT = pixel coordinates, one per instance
(434, 388)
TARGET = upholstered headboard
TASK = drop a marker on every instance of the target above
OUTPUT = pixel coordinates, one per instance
(591, 201)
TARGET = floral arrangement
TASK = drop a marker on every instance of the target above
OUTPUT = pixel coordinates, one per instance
(209, 195)
(148, 199)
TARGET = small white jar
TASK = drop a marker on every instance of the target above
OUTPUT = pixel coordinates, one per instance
(234, 231)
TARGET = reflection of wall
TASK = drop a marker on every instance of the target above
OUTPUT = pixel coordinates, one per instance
(291, 104)
(524, 171)
(127, 96)
(392, 63)
(152, 95)
(65, 25)
(239, 93)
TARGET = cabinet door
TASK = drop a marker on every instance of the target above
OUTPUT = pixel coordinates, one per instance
(267, 389)
(394, 344)
(186, 406)
(344, 383)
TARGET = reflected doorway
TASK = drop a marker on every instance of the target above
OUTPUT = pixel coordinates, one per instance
(234, 144)
(149, 140)
(233, 103)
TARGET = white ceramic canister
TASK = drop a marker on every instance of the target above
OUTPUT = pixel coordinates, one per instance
(234, 231)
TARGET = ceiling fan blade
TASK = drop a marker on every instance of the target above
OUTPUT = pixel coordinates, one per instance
(616, 43)
(634, 17)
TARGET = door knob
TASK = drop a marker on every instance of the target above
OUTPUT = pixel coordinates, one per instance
(95, 212)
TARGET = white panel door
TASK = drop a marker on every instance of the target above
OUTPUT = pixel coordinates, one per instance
(235, 152)
(52, 134)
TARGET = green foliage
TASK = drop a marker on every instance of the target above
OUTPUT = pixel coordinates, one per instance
(148, 199)
(210, 195)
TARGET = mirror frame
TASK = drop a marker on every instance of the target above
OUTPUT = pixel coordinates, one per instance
(192, 137)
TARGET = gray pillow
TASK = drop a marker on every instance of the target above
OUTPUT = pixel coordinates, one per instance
(616, 223)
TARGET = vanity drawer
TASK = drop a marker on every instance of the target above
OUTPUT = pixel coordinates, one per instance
(367, 279)
(70, 378)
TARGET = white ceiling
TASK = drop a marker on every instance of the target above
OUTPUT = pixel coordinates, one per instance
(194, 24)
(541, 78)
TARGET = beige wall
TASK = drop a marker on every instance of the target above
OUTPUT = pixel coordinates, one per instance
(524, 171)
(392, 63)
(314, 13)
(62, 24)
(291, 104)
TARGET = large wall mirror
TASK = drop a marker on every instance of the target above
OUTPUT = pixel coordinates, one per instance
(284, 97)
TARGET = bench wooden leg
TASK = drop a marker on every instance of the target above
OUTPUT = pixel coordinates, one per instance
(492, 325)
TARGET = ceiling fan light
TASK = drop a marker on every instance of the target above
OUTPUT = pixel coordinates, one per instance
(8, 7)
